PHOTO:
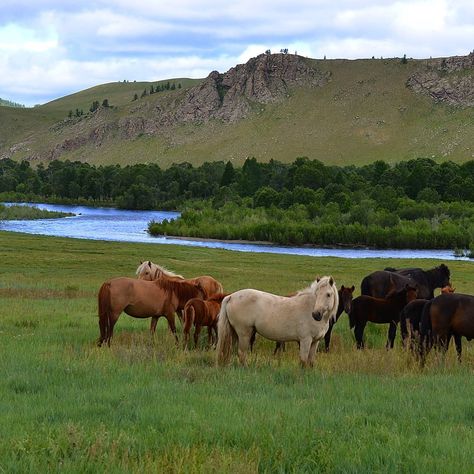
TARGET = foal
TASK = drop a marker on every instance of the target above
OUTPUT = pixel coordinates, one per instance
(379, 310)
(202, 313)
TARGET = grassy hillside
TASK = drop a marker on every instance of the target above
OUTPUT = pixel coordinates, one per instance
(365, 112)
(144, 405)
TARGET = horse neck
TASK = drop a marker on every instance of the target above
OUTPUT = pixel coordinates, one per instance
(182, 290)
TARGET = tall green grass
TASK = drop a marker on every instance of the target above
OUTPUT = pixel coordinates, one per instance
(144, 405)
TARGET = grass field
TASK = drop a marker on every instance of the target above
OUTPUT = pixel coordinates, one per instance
(143, 405)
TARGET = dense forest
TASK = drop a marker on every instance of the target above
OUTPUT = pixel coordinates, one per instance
(417, 203)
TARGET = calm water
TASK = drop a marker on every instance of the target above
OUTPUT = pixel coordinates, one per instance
(131, 226)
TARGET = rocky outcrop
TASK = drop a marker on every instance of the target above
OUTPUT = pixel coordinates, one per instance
(265, 79)
(448, 80)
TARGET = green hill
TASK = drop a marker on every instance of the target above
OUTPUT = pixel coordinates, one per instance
(274, 106)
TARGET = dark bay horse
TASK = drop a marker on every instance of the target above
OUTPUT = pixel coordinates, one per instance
(410, 319)
(446, 316)
(141, 299)
(378, 284)
(202, 313)
(381, 311)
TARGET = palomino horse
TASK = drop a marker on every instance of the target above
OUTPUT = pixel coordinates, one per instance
(303, 318)
(202, 313)
(345, 304)
(446, 316)
(141, 299)
(410, 319)
(379, 310)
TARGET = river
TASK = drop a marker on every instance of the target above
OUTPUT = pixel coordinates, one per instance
(98, 223)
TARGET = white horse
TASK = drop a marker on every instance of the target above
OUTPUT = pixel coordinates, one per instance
(304, 318)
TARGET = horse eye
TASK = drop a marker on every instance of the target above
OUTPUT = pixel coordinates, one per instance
(328, 295)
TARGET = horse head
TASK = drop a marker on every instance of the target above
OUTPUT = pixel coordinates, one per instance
(440, 276)
(327, 298)
(345, 298)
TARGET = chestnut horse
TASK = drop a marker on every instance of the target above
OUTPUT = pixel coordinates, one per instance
(446, 316)
(151, 271)
(141, 299)
(379, 310)
(202, 313)
(303, 318)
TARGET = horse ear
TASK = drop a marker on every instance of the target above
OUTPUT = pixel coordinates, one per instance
(317, 279)
(342, 287)
(149, 263)
(352, 288)
(141, 262)
(331, 281)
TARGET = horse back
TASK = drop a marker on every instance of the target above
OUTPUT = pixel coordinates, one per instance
(453, 313)
(378, 284)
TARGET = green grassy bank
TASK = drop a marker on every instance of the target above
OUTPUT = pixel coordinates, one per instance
(143, 405)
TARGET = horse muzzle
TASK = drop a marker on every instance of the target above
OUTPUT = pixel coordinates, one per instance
(317, 315)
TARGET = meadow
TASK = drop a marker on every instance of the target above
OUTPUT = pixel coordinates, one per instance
(144, 405)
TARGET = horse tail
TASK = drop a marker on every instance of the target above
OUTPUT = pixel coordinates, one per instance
(226, 334)
(425, 330)
(189, 315)
(352, 318)
(105, 313)
(365, 286)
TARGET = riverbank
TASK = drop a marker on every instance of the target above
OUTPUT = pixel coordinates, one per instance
(18, 212)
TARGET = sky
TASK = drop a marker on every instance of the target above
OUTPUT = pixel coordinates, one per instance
(51, 48)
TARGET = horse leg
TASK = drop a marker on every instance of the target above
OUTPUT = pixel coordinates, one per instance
(305, 348)
(153, 323)
(252, 340)
(392, 331)
(172, 326)
(197, 330)
(457, 341)
(312, 352)
(244, 344)
(279, 347)
(359, 333)
(327, 337)
(404, 331)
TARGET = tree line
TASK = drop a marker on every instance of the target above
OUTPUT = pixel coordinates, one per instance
(418, 203)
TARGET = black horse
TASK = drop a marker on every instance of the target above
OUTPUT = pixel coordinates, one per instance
(446, 316)
(378, 284)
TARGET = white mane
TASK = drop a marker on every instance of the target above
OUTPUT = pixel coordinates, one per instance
(154, 267)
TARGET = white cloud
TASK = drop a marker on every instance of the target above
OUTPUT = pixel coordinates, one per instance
(51, 47)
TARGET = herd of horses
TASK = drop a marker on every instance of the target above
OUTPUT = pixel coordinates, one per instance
(388, 296)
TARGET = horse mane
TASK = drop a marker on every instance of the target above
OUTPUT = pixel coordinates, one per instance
(182, 289)
(217, 297)
(155, 266)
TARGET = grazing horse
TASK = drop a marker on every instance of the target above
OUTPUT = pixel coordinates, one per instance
(378, 284)
(410, 319)
(141, 299)
(202, 313)
(446, 316)
(345, 304)
(379, 310)
(304, 318)
(151, 271)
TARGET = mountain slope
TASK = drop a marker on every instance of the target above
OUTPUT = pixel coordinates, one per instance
(274, 106)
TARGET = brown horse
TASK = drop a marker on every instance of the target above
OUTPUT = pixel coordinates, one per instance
(446, 316)
(381, 311)
(202, 313)
(151, 271)
(141, 299)
(410, 319)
